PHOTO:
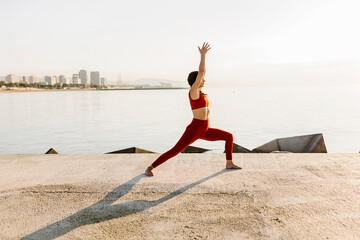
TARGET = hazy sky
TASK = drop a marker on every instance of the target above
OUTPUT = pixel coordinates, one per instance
(254, 41)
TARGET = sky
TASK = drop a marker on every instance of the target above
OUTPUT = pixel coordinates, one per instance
(253, 41)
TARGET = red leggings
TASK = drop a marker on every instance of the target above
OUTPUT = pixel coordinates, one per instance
(198, 129)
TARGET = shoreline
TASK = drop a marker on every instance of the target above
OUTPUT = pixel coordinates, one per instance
(44, 90)
(69, 90)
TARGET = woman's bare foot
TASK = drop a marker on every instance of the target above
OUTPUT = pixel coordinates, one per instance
(231, 165)
(148, 171)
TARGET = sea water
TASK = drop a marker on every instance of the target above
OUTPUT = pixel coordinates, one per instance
(109, 120)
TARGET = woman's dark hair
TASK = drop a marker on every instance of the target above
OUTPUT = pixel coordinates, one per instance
(192, 77)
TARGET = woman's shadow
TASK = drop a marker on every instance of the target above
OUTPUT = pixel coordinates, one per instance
(103, 210)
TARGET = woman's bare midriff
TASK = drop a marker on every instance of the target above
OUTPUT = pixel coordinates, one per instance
(201, 113)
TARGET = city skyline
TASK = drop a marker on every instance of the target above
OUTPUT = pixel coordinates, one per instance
(79, 78)
(252, 41)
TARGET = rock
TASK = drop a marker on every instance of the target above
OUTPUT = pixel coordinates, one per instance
(51, 151)
(192, 149)
(131, 150)
(239, 149)
(313, 143)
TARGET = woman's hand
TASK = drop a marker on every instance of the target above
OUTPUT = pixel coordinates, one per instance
(205, 48)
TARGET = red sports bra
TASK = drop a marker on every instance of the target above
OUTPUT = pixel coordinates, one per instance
(200, 102)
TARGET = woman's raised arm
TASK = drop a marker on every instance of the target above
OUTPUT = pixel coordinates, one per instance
(205, 48)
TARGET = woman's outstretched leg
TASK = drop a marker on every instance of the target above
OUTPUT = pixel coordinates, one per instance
(187, 138)
(191, 134)
(214, 134)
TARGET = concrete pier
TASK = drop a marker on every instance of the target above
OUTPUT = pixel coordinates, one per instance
(192, 196)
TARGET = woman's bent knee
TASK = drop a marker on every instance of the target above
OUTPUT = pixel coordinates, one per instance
(230, 137)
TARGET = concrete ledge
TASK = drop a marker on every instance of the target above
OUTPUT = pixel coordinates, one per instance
(275, 196)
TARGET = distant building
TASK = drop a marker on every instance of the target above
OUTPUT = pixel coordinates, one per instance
(165, 85)
(95, 78)
(50, 80)
(63, 79)
(76, 79)
(12, 78)
(119, 81)
(47, 79)
(84, 77)
(33, 79)
(103, 81)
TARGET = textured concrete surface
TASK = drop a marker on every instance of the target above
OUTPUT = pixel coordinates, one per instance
(275, 196)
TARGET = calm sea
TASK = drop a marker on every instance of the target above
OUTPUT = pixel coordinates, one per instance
(103, 121)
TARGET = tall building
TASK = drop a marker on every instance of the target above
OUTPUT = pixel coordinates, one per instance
(84, 77)
(12, 78)
(119, 80)
(76, 79)
(47, 79)
(51, 80)
(33, 79)
(63, 79)
(103, 81)
(95, 78)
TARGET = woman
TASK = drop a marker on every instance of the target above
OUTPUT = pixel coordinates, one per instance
(199, 127)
